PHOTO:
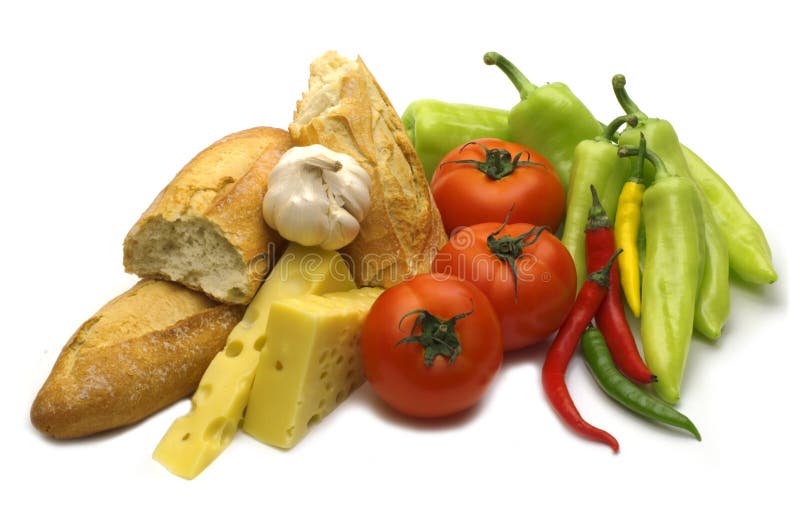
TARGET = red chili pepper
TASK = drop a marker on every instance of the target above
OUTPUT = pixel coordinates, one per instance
(592, 293)
(610, 317)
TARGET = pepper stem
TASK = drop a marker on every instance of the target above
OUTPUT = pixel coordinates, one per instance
(523, 85)
(629, 106)
(598, 218)
(637, 175)
(602, 277)
(437, 336)
(617, 122)
(662, 171)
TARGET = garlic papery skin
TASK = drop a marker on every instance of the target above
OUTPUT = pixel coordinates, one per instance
(317, 197)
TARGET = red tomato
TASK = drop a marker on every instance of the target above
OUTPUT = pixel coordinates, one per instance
(546, 280)
(465, 194)
(395, 365)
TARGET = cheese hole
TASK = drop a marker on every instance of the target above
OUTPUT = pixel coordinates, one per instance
(186, 437)
(323, 375)
(234, 348)
(339, 359)
(350, 360)
(290, 432)
(323, 357)
(252, 315)
(340, 396)
(328, 386)
(278, 365)
(202, 393)
(259, 344)
(221, 430)
(321, 403)
(314, 420)
(351, 374)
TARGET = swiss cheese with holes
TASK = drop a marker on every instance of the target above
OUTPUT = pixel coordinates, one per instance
(196, 439)
(312, 363)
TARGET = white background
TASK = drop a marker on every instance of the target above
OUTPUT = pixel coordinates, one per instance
(100, 105)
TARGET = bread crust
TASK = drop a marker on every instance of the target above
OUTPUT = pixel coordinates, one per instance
(347, 111)
(222, 187)
(142, 351)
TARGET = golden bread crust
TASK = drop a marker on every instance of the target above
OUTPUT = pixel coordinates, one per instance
(221, 190)
(141, 352)
(346, 110)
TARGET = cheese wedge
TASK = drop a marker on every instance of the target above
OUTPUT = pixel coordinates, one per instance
(196, 439)
(312, 363)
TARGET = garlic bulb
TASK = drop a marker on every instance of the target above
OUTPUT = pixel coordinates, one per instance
(316, 196)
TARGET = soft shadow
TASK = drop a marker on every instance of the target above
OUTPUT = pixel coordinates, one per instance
(368, 397)
(774, 294)
(532, 357)
(97, 437)
(533, 354)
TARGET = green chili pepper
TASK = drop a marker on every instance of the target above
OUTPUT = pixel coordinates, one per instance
(748, 250)
(549, 119)
(626, 393)
(436, 127)
(595, 162)
(672, 216)
(713, 300)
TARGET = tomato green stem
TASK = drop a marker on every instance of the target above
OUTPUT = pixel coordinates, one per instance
(522, 84)
(509, 248)
(437, 336)
(498, 162)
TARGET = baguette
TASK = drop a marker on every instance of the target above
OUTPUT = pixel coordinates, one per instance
(345, 110)
(142, 351)
(205, 229)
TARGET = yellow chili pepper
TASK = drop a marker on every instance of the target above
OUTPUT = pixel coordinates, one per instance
(626, 230)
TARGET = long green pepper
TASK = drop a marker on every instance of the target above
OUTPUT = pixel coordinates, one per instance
(749, 253)
(437, 127)
(549, 119)
(672, 216)
(713, 299)
(626, 393)
(595, 162)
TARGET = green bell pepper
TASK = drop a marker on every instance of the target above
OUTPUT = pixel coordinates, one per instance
(436, 127)
(549, 119)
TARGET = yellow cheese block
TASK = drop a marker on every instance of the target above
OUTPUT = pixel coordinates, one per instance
(312, 364)
(196, 439)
